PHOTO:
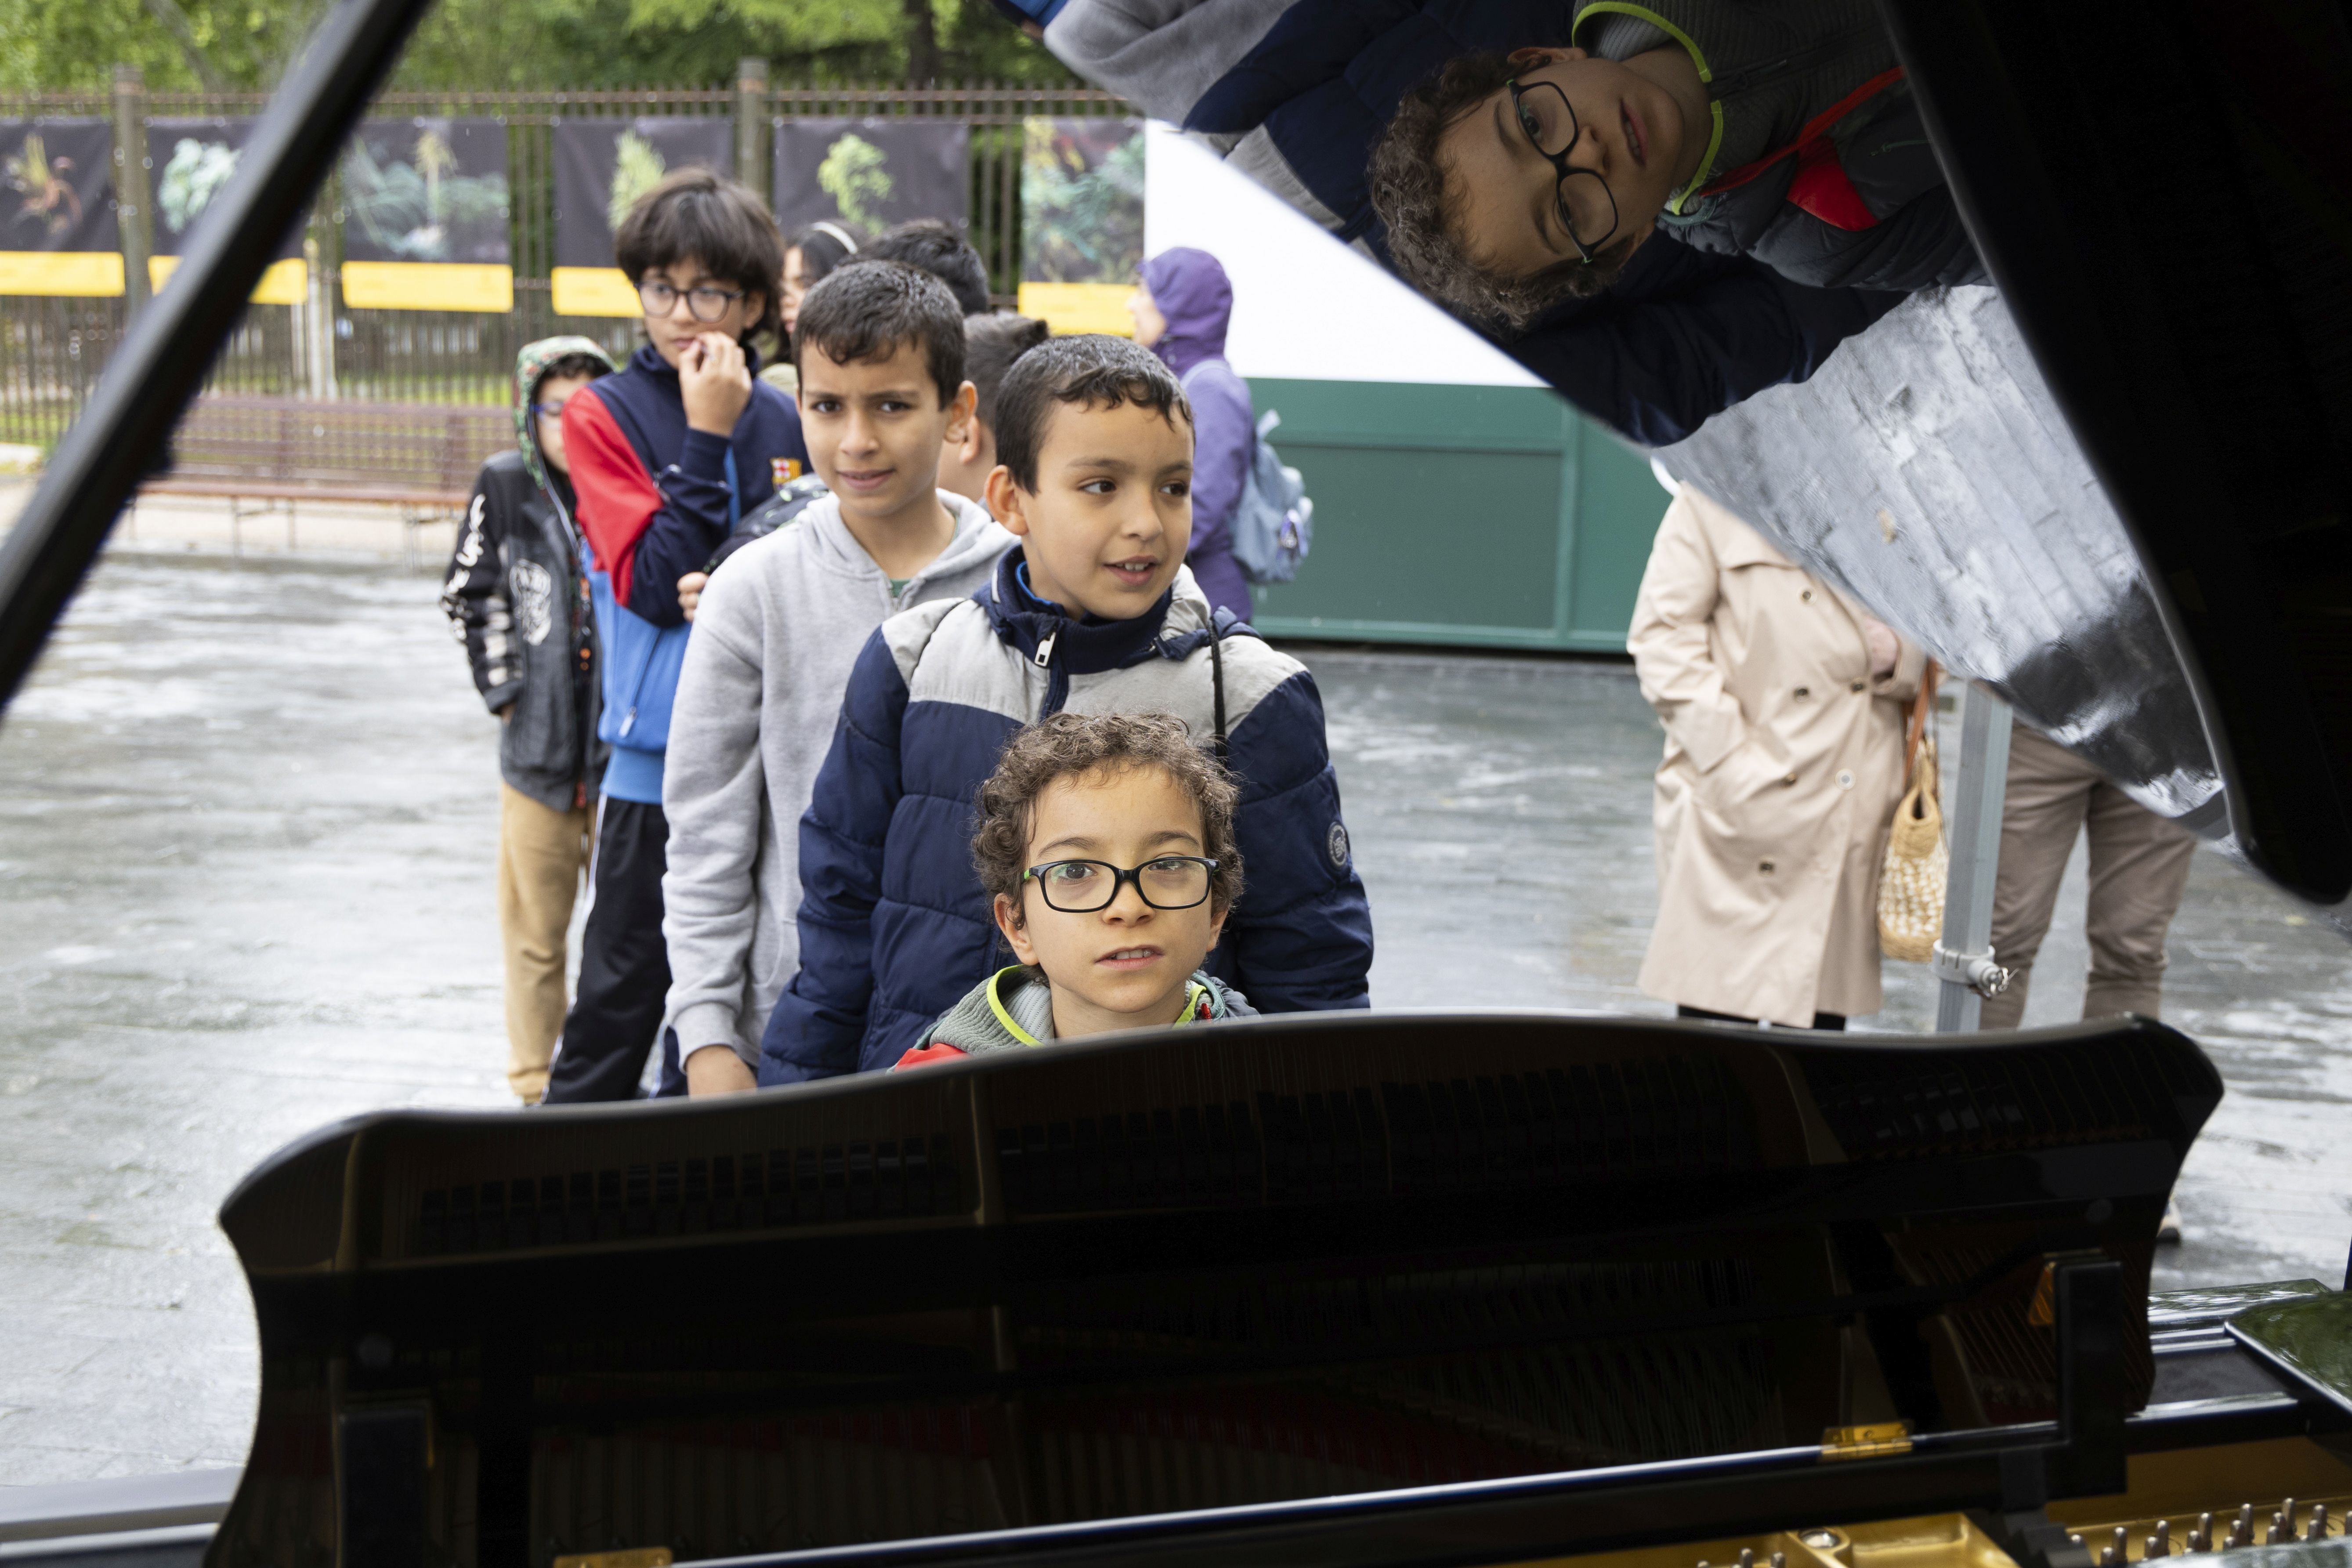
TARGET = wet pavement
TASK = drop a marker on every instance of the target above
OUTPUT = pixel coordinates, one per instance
(248, 820)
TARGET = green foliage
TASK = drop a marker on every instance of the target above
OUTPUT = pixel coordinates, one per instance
(505, 43)
(638, 168)
(1081, 204)
(188, 179)
(854, 173)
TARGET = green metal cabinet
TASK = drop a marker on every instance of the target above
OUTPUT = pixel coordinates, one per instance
(1481, 516)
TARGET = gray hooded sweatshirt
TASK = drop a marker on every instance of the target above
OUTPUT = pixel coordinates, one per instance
(774, 637)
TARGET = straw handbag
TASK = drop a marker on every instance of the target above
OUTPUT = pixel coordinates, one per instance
(1911, 883)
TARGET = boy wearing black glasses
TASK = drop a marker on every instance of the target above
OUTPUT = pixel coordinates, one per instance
(1784, 131)
(666, 457)
(1106, 845)
(1095, 613)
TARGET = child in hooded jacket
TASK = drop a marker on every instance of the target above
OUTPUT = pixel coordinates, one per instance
(1181, 309)
(516, 598)
(1094, 614)
(1106, 845)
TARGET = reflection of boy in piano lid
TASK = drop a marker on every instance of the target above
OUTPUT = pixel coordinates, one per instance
(1106, 844)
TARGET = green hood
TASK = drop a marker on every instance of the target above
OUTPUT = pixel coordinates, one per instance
(532, 365)
(1013, 1009)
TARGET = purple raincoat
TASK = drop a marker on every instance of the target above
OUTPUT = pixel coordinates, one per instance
(1192, 292)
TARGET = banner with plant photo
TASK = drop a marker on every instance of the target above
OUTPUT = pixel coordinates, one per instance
(424, 216)
(189, 161)
(1081, 222)
(869, 174)
(602, 167)
(57, 233)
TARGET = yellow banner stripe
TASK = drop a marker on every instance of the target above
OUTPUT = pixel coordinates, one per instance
(594, 292)
(286, 282)
(428, 286)
(1066, 308)
(86, 274)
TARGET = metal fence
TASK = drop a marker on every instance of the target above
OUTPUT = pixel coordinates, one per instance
(52, 349)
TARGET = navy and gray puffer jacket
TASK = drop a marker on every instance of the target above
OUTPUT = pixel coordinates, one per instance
(893, 925)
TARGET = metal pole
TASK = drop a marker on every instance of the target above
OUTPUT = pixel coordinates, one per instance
(751, 134)
(1965, 965)
(132, 184)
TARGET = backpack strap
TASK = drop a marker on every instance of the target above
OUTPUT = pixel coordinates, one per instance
(1217, 682)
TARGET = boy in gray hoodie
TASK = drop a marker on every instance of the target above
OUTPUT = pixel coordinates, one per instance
(1106, 843)
(880, 351)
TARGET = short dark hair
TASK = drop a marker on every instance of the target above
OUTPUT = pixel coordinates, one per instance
(1416, 195)
(695, 215)
(1089, 369)
(822, 248)
(991, 344)
(584, 366)
(939, 249)
(1072, 745)
(866, 309)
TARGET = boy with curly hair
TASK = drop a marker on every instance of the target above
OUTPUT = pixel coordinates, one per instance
(1106, 846)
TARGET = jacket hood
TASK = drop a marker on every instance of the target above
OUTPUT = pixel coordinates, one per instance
(1013, 1009)
(830, 543)
(532, 363)
(1193, 292)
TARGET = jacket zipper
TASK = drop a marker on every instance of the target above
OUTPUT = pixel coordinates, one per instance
(1786, 66)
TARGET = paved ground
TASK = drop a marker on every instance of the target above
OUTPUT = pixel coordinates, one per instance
(246, 820)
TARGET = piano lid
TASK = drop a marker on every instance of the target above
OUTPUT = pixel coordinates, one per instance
(1283, 1258)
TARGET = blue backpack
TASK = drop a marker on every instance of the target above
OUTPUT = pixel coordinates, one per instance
(1274, 521)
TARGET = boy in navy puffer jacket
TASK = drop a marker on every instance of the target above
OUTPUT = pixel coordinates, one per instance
(1094, 614)
(666, 457)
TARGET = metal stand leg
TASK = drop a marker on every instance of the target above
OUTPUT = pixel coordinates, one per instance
(1964, 959)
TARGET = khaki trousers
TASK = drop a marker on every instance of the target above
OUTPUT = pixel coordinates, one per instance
(542, 855)
(2139, 868)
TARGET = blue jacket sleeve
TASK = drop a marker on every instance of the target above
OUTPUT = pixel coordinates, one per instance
(691, 523)
(1224, 440)
(1684, 335)
(819, 1020)
(1301, 940)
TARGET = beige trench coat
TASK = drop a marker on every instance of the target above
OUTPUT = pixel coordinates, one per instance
(1783, 765)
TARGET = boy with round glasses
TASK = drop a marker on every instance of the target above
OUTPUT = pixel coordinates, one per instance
(1779, 129)
(666, 457)
(1106, 845)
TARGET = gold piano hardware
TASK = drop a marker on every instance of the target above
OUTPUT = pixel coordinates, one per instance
(638, 1557)
(1870, 1442)
(2044, 1313)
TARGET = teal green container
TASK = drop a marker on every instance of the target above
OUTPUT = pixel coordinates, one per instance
(1472, 516)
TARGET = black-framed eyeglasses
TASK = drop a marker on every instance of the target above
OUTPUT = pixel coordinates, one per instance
(704, 301)
(1082, 887)
(1587, 208)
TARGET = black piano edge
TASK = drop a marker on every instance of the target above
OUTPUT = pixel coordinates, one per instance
(167, 1520)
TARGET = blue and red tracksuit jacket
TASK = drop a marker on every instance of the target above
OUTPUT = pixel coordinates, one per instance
(655, 500)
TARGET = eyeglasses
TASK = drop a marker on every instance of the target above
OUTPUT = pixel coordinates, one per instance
(1588, 210)
(703, 302)
(547, 410)
(1082, 887)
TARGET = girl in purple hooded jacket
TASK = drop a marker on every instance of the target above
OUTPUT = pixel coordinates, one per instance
(1181, 312)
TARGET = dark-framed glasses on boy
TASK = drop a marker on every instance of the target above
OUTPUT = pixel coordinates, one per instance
(1082, 887)
(1587, 208)
(703, 302)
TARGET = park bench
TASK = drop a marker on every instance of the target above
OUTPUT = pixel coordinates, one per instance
(266, 454)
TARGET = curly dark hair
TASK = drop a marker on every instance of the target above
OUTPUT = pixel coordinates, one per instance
(1414, 193)
(868, 308)
(1071, 745)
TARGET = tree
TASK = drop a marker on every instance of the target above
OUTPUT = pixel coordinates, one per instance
(47, 45)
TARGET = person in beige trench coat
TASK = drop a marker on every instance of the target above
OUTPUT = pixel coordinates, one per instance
(1784, 705)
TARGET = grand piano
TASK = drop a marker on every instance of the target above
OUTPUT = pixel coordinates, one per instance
(1458, 1289)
